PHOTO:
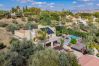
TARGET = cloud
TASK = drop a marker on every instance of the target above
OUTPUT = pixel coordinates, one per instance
(97, 4)
(90, 3)
(38, 3)
(86, 0)
(79, 6)
(43, 4)
(24, 1)
(51, 6)
(74, 2)
(52, 3)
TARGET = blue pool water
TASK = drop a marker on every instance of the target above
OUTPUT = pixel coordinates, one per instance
(73, 37)
(67, 41)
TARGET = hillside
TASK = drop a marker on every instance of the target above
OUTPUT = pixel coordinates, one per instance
(5, 36)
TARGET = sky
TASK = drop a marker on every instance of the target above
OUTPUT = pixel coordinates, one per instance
(51, 4)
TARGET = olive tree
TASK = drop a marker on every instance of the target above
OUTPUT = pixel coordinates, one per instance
(47, 57)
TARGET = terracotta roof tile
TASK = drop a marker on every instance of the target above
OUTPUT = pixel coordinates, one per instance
(87, 60)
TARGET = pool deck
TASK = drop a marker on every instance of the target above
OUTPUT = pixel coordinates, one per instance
(77, 53)
(67, 41)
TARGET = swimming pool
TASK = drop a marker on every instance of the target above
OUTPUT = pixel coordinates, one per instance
(73, 37)
(68, 39)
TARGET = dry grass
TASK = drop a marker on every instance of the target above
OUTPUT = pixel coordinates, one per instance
(5, 36)
(9, 21)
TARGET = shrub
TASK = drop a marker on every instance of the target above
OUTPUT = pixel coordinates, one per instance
(24, 19)
(73, 41)
(89, 48)
(11, 59)
(15, 21)
(44, 58)
(68, 59)
(30, 26)
(3, 24)
(24, 48)
(90, 51)
(30, 18)
(97, 55)
(13, 27)
(2, 46)
(49, 57)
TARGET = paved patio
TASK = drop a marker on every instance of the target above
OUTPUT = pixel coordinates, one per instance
(77, 53)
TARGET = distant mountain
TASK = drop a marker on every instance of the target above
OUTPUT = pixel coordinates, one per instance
(85, 11)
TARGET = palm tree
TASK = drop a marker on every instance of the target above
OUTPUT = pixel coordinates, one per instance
(62, 42)
(41, 35)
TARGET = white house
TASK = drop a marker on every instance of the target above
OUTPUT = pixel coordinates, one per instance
(51, 41)
(13, 14)
(82, 21)
(51, 31)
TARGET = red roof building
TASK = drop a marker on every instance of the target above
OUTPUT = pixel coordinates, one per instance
(88, 60)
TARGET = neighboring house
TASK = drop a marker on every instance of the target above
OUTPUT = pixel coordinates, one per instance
(94, 19)
(82, 21)
(88, 60)
(74, 20)
(13, 15)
